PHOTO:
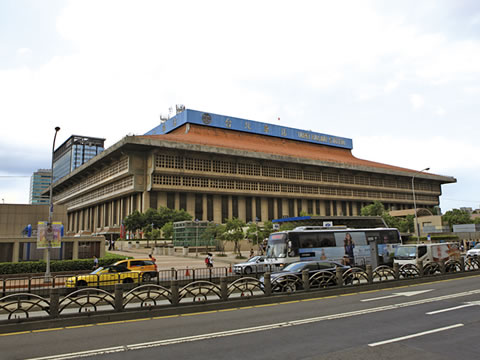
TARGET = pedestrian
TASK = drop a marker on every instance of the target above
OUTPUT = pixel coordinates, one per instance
(210, 260)
(95, 262)
(252, 253)
(152, 258)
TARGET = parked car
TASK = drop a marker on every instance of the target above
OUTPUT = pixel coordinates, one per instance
(253, 265)
(322, 274)
(107, 275)
(475, 251)
(146, 266)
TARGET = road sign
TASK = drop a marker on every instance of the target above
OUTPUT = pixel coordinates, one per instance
(49, 236)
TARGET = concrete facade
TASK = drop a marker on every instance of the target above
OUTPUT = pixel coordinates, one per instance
(216, 174)
(17, 247)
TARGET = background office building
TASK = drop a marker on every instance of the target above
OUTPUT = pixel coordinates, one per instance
(74, 152)
(39, 183)
(218, 167)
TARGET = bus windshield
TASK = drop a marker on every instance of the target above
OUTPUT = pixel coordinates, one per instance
(277, 246)
(405, 252)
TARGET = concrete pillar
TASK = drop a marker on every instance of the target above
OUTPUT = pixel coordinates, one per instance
(242, 208)
(295, 207)
(75, 249)
(264, 202)
(15, 251)
(339, 208)
(118, 301)
(369, 271)
(267, 284)
(354, 208)
(285, 207)
(275, 209)
(217, 209)
(339, 276)
(323, 209)
(54, 302)
(145, 200)
(224, 288)
(230, 207)
(305, 280)
(204, 207)
(174, 290)
(177, 201)
(191, 204)
(162, 199)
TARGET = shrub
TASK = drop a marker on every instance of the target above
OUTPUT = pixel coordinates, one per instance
(29, 267)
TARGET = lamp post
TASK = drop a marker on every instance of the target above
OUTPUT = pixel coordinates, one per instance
(50, 213)
(417, 230)
(196, 237)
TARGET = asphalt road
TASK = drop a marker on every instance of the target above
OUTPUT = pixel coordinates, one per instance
(437, 320)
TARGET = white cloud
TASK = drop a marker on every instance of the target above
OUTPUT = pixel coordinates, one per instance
(345, 68)
(24, 52)
(417, 101)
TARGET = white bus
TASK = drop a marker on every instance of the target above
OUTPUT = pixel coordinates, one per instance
(371, 246)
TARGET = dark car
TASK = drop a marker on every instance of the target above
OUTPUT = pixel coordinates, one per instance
(320, 274)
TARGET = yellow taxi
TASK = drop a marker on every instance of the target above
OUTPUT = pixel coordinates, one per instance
(106, 275)
(146, 266)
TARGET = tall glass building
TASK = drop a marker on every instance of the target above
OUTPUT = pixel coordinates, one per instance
(39, 183)
(73, 153)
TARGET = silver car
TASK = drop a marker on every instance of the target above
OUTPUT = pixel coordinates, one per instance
(255, 264)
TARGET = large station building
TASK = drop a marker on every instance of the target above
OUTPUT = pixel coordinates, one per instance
(218, 167)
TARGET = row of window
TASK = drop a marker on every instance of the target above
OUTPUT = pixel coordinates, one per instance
(103, 191)
(241, 185)
(116, 168)
(240, 168)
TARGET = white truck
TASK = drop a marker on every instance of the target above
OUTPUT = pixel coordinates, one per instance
(435, 252)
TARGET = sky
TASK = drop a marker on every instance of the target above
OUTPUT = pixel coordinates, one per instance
(400, 78)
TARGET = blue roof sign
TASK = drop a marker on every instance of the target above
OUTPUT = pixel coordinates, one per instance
(250, 126)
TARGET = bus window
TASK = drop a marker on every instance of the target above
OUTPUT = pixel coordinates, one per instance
(326, 239)
(307, 240)
(389, 237)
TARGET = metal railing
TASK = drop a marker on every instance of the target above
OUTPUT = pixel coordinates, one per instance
(163, 292)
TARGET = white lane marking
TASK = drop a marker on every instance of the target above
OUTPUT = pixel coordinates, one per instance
(151, 344)
(406, 293)
(415, 335)
(473, 303)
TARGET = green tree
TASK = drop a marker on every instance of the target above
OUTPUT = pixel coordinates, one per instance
(213, 232)
(134, 221)
(233, 231)
(456, 216)
(375, 209)
(167, 230)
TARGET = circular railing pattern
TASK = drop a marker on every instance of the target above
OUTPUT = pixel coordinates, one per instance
(147, 295)
(355, 276)
(431, 268)
(408, 271)
(453, 266)
(200, 291)
(245, 287)
(286, 283)
(87, 300)
(323, 279)
(27, 305)
(472, 263)
(383, 273)
(20, 305)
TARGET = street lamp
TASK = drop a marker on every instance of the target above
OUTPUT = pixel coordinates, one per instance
(414, 202)
(196, 237)
(50, 212)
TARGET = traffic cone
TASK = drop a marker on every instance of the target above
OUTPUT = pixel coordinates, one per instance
(187, 272)
(230, 268)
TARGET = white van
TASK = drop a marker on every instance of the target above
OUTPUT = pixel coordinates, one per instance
(411, 253)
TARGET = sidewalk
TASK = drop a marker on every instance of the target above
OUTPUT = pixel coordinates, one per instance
(179, 261)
